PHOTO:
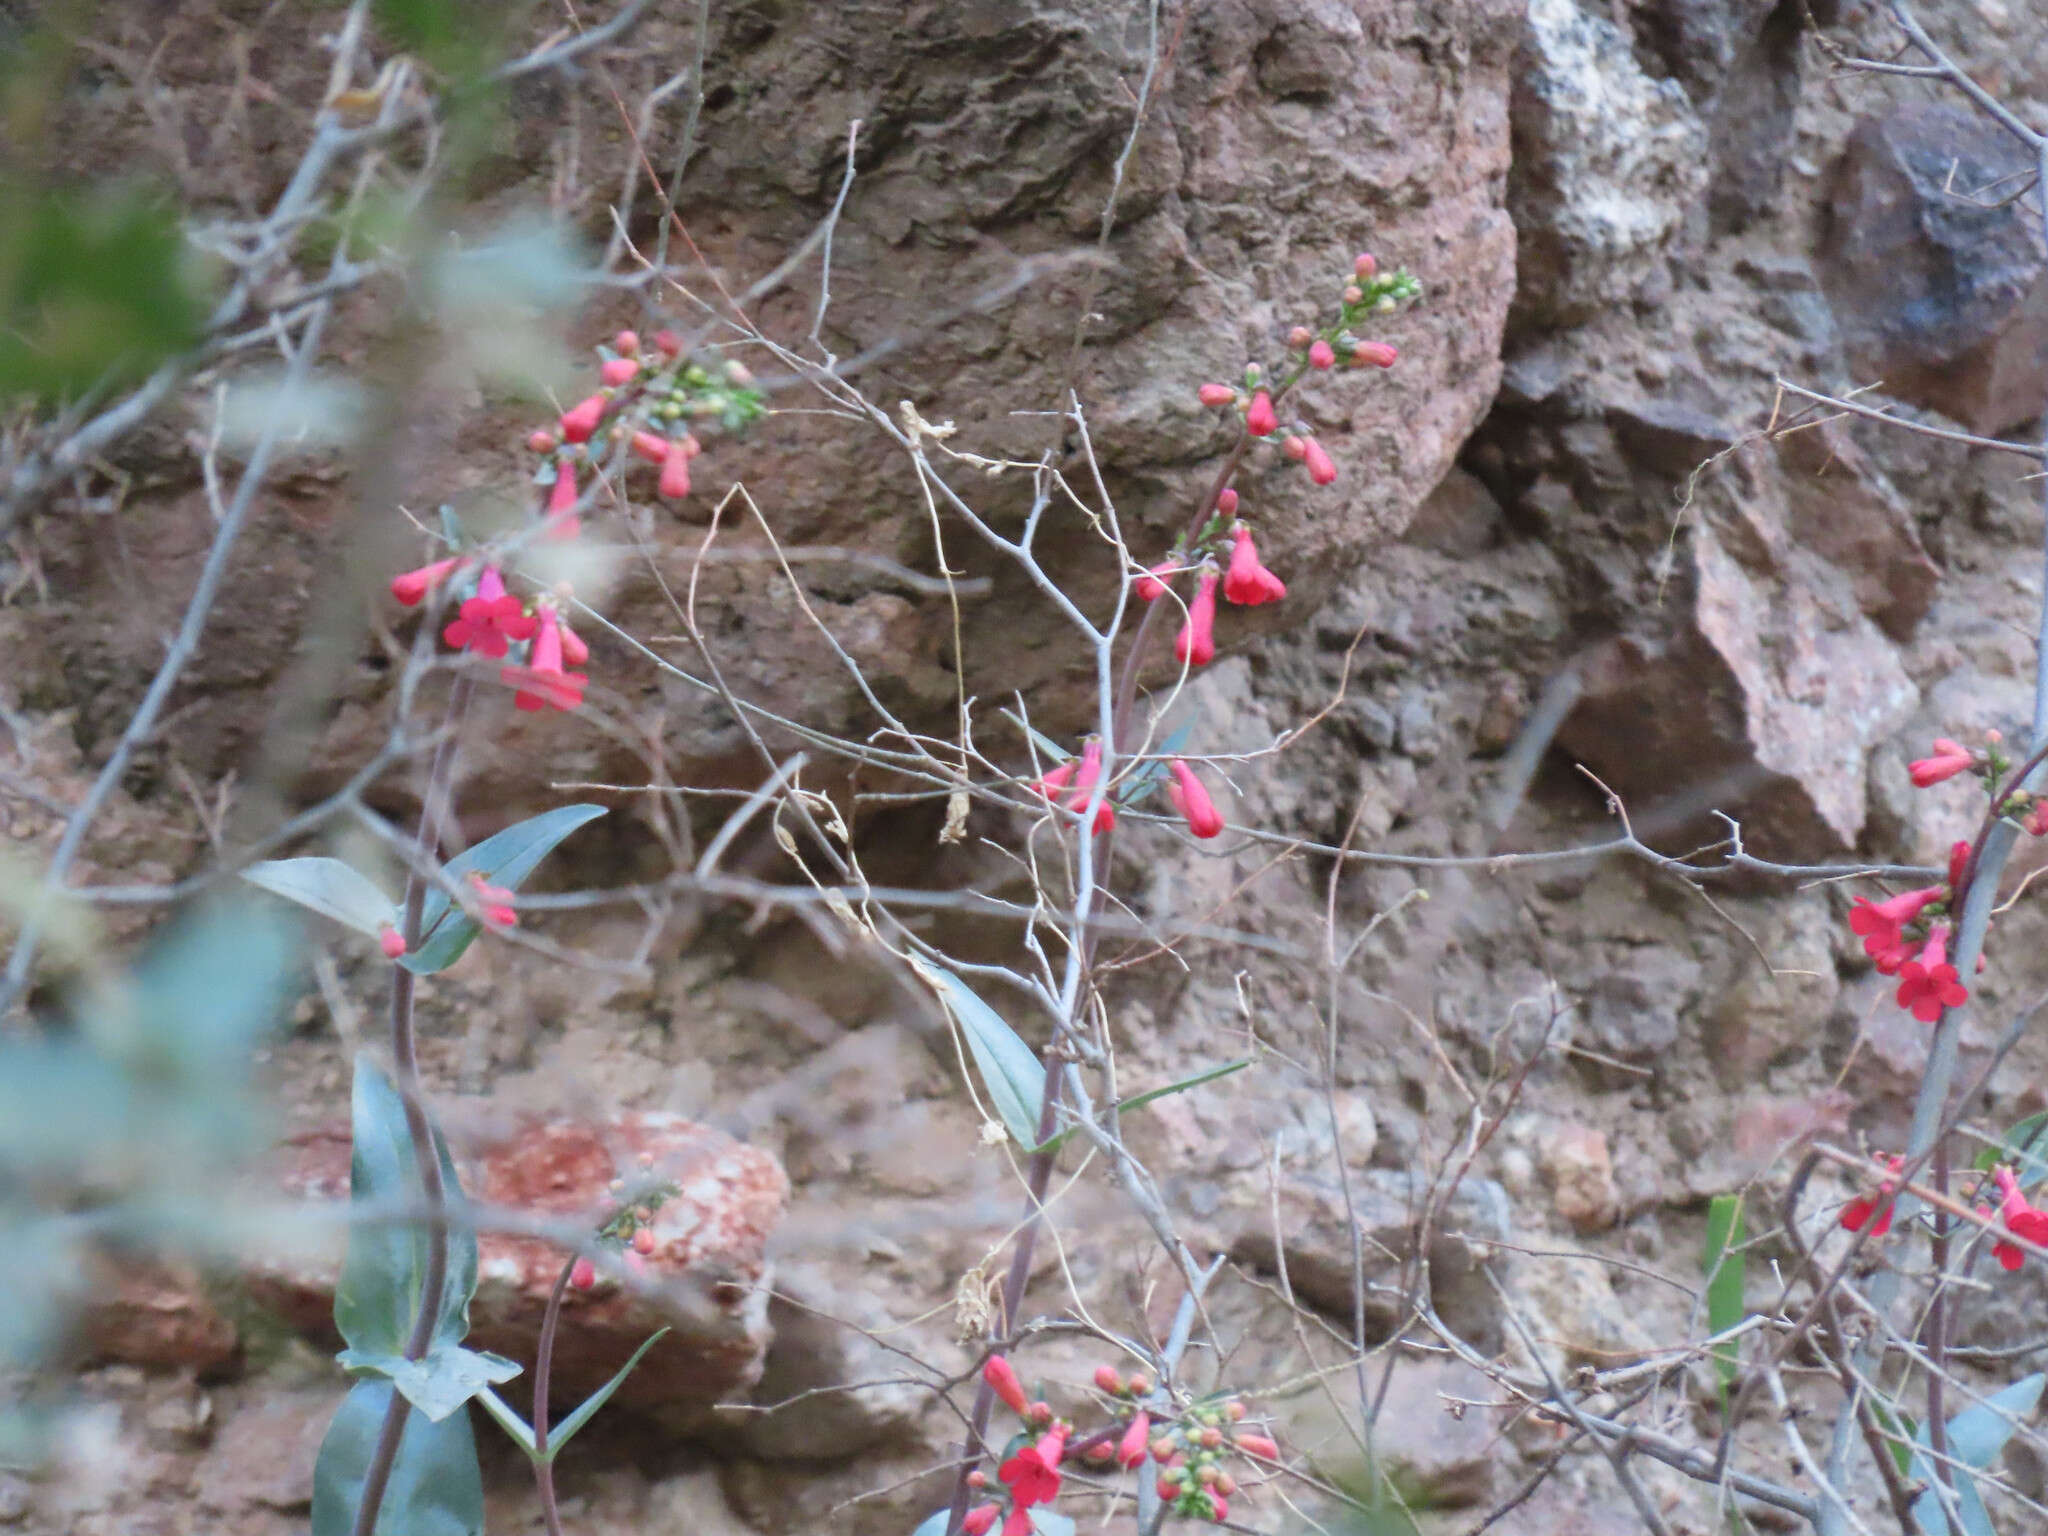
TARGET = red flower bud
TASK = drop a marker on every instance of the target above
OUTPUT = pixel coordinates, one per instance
(1322, 355)
(1374, 354)
(1256, 1445)
(1216, 394)
(1299, 337)
(626, 343)
(1151, 588)
(410, 586)
(1131, 1450)
(650, 446)
(1226, 501)
(1320, 468)
(669, 342)
(540, 440)
(1259, 419)
(1950, 758)
(675, 476)
(583, 1274)
(1002, 1380)
(1084, 791)
(1196, 643)
(978, 1520)
(391, 941)
(643, 1240)
(1191, 799)
(563, 522)
(1107, 1380)
(1365, 266)
(1294, 447)
(1219, 1509)
(1249, 582)
(1140, 1384)
(618, 370)
(581, 419)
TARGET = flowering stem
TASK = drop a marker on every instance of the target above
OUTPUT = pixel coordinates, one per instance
(426, 1160)
(543, 1367)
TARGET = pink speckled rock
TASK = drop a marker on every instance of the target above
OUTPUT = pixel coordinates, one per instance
(703, 1279)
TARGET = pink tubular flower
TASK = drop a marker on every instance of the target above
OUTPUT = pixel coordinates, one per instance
(1249, 582)
(1054, 781)
(977, 1520)
(2022, 1220)
(675, 476)
(1256, 1445)
(1219, 1508)
(391, 941)
(1874, 1211)
(1196, 642)
(1879, 924)
(574, 651)
(1260, 420)
(581, 419)
(1002, 1379)
(491, 620)
(1216, 394)
(1928, 984)
(495, 900)
(1958, 867)
(651, 446)
(1132, 1448)
(1084, 787)
(1150, 588)
(1034, 1472)
(1320, 469)
(1322, 355)
(563, 523)
(618, 370)
(1375, 354)
(411, 586)
(1949, 759)
(1191, 799)
(542, 682)
(1226, 501)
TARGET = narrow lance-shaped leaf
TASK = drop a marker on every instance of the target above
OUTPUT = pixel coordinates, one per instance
(1009, 1069)
(327, 886)
(1976, 1436)
(505, 859)
(1725, 1266)
(587, 1409)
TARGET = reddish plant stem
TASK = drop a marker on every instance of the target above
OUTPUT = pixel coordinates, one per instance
(426, 1160)
(543, 1367)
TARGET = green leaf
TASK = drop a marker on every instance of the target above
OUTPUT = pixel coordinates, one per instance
(587, 1409)
(1900, 1424)
(1725, 1270)
(441, 1383)
(327, 886)
(1975, 1438)
(2025, 1145)
(378, 1296)
(1140, 1100)
(508, 1420)
(1009, 1069)
(95, 283)
(1152, 771)
(503, 860)
(436, 1487)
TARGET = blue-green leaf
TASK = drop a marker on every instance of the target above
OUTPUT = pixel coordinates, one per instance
(934, 1524)
(503, 860)
(586, 1409)
(330, 887)
(436, 1487)
(1009, 1069)
(1975, 1438)
(1141, 783)
(378, 1295)
(447, 1378)
(1050, 1522)
(520, 1431)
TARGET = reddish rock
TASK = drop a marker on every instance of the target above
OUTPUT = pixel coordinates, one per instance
(155, 1314)
(702, 1279)
(1935, 271)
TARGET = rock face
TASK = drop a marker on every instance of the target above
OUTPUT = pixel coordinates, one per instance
(703, 1278)
(1936, 273)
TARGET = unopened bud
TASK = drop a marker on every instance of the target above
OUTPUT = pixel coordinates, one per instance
(1107, 1379)
(1210, 1437)
(1365, 266)
(643, 1240)
(618, 370)
(668, 342)
(1374, 354)
(541, 441)
(583, 1274)
(1141, 1383)
(1216, 394)
(1038, 1413)
(738, 373)
(1354, 294)
(627, 343)
(391, 941)
(1300, 337)
(1322, 355)
(1294, 448)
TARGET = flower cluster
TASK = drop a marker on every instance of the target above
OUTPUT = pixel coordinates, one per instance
(1072, 783)
(629, 1228)
(644, 411)
(1190, 1451)
(1240, 574)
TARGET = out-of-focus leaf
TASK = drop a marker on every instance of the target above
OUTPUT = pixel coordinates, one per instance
(504, 860)
(436, 1487)
(447, 1378)
(1050, 1522)
(378, 1295)
(531, 262)
(1150, 772)
(1725, 1266)
(93, 284)
(327, 886)
(306, 414)
(587, 1409)
(933, 1524)
(1009, 1070)
(1975, 1438)
(1140, 1100)
(2025, 1146)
